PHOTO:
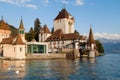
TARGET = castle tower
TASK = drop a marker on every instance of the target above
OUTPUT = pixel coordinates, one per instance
(64, 21)
(91, 44)
(91, 41)
(19, 47)
(22, 31)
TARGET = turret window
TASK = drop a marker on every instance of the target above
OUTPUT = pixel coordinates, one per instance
(21, 32)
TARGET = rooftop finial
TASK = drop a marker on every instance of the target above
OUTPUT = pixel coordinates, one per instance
(21, 17)
(90, 25)
(63, 6)
(1, 17)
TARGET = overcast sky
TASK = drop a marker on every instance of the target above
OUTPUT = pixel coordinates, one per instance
(103, 15)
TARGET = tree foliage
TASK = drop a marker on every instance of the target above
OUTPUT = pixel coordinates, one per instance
(52, 30)
(37, 27)
(99, 46)
(30, 35)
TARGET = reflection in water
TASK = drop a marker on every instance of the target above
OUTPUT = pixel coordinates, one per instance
(42, 69)
(101, 68)
(12, 69)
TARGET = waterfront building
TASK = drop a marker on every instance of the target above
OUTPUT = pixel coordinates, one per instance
(91, 45)
(64, 38)
(34, 47)
(18, 48)
(14, 47)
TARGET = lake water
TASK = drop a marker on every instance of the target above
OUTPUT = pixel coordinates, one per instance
(105, 67)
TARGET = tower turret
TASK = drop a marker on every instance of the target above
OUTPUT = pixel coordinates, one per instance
(22, 31)
(64, 21)
(91, 44)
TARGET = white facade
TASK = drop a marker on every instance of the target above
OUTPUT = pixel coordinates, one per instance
(23, 37)
(66, 24)
(43, 36)
(14, 51)
(91, 53)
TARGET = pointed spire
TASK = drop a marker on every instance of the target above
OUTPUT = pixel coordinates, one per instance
(91, 37)
(19, 41)
(45, 29)
(21, 24)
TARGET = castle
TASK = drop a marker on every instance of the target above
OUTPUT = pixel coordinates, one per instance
(63, 39)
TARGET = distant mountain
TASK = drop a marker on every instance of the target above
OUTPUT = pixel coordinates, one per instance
(103, 40)
(110, 45)
(14, 31)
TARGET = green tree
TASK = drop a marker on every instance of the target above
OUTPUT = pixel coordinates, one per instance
(99, 46)
(37, 27)
(30, 35)
(52, 30)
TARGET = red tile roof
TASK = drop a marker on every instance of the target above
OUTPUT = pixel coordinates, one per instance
(19, 41)
(62, 14)
(58, 35)
(91, 37)
(45, 29)
(13, 40)
(3, 25)
(8, 40)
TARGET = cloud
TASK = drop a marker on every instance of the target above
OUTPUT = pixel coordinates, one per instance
(79, 2)
(31, 6)
(7, 1)
(64, 1)
(45, 2)
(107, 36)
(21, 3)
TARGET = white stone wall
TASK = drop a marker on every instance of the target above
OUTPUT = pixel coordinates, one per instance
(43, 37)
(91, 53)
(20, 51)
(60, 44)
(14, 51)
(64, 25)
(8, 51)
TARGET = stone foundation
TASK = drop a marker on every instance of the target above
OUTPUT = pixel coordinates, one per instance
(46, 56)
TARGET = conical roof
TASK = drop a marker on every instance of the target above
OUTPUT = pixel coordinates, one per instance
(4, 25)
(91, 37)
(45, 29)
(19, 41)
(21, 25)
(62, 14)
